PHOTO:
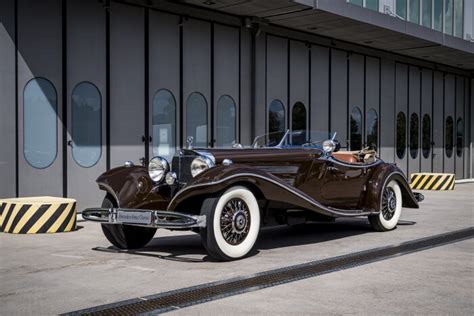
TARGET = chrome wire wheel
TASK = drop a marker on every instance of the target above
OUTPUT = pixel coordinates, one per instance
(235, 221)
(389, 203)
(390, 208)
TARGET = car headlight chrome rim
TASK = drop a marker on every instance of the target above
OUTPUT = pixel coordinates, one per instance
(158, 167)
(200, 164)
(329, 146)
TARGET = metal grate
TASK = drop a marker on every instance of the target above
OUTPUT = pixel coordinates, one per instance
(180, 298)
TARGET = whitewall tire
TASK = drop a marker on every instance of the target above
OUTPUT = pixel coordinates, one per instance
(390, 208)
(233, 224)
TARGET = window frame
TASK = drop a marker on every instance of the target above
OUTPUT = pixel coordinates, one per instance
(460, 146)
(206, 116)
(404, 134)
(175, 124)
(361, 127)
(414, 150)
(426, 156)
(446, 136)
(236, 140)
(376, 129)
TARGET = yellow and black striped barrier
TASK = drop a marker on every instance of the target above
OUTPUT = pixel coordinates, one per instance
(37, 215)
(432, 181)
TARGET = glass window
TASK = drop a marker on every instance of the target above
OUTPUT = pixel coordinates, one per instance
(39, 123)
(164, 124)
(448, 134)
(298, 123)
(414, 135)
(414, 11)
(459, 137)
(401, 134)
(356, 129)
(401, 7)
(426, 12)
(276, 120)
(372, 129)
(426, 136)
(438, 15)
(226, 122)
(356, 2)
(448, 17)
(458, 18)
(372, 4)
(86, 114)
(196, 119)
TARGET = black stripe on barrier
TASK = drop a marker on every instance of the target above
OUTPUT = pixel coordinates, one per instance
(438, 177)
(68, 219)
(18, 216)
(2, 207)
(34, 218)
(7, 216)
(448, 178)
(172, 300)
(420, 180)
(52, 219)
(450, 182)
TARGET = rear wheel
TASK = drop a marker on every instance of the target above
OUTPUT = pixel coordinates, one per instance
(233, 224)
(390, 208)
(125, 236)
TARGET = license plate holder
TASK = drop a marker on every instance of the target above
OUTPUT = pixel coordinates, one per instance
(134, 217)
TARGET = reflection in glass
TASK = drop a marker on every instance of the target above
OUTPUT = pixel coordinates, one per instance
(426, 136)
(372, 4)
(298, 123)
(356, 2)
(86, 114)
(372, 129)
(164, 124)
(459, 136)
(356, 129)
(414, 11)
(448, 17)
(196, 119)
(401, 8)
(39, 123)
(226, 122)
(438, 15)
(401, 134)
(449, 141)
(414, 135)
(276, 120)
(426, 13)
(458, 18)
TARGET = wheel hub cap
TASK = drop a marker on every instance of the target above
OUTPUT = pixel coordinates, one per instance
(389, 203)
(235, 221)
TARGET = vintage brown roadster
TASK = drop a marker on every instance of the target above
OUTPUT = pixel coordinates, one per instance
(227, 195)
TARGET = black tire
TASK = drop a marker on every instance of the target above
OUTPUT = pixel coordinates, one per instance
(125, 236)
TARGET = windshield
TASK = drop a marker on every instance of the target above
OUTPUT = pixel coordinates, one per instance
(288, 139)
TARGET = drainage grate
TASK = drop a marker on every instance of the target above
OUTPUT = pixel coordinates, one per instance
(180, 298)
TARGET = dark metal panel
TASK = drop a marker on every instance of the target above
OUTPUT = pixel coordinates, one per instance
(260, 103)
(164, 61)
(426, 108)
(471, 127)
(226, 67)
(40, 55)
(299, 75)
(338, 105)
(372, 91)
(414, 91)
(7, 99)
(468, 127)
(449, 110)
(246, 101)
(438, 121)
(459, 110)
(401, 105)
(85, 62)
(127, 80)
(387, 111)
(197, 65)
(319, 88)
(277, 71)
(356, 87)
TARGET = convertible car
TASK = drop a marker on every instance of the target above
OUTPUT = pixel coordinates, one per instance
(227, 195)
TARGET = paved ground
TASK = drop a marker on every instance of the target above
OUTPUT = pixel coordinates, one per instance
(50, 274)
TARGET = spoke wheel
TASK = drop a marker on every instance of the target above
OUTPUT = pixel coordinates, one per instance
(390, 208)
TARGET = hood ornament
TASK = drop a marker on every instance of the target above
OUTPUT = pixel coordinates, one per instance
(190, 141)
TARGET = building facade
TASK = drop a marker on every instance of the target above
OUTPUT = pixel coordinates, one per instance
(89, 84)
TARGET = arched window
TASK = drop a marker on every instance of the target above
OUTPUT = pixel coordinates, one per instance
(40, 123)
(372, 129)
(414, 135)
(196, 119)
(276, 121)
(226, 122)
(86, 117)
(401, 134)
(426, 136)
(356, 129)
(459, 136)
(449, 135)
(164, 124)
(298, 124)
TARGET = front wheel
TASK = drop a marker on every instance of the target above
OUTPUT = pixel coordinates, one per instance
(125, 236)
(390, 208)
(233, 223)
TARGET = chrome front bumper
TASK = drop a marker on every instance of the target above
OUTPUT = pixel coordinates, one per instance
(145, 218)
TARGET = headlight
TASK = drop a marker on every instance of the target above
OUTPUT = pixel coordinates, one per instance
(329, 146)
(157, 168)
(200, 164)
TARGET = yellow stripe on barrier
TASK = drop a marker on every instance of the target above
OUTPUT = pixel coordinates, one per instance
(432, 181)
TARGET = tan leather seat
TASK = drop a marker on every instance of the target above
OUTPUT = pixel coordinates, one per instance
(346, 156)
